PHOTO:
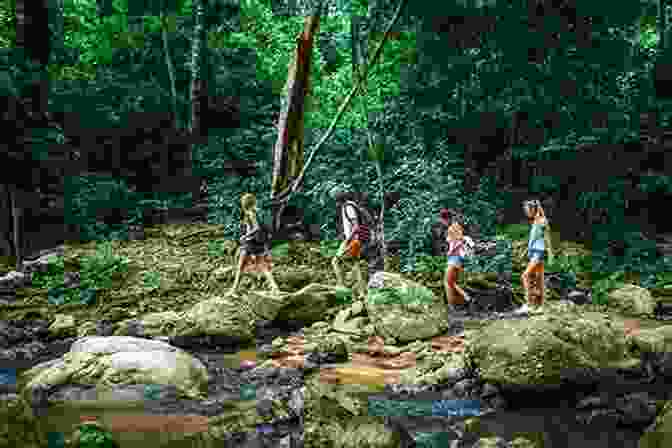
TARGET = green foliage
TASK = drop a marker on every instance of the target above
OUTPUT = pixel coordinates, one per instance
(545, 184)
(93, 436)
(655, 184)
(392, 296)
(344, 296)
(328, 248)
(602, 287)
(96, 274)
(152, 280)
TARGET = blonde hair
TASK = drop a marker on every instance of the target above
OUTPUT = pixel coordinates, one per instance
(535, 205)
(248, 203)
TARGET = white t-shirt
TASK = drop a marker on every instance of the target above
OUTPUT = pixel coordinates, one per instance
(350, 212)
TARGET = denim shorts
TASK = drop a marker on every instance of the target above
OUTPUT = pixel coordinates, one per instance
(455, 260)
(536, 255)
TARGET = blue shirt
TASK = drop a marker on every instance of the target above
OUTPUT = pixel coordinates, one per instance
(536, 237)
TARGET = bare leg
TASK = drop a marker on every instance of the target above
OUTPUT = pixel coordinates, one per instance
(335, 263)
(540, 279)
(236, 281)
(451, 288)
(526, 277)
(359, 281)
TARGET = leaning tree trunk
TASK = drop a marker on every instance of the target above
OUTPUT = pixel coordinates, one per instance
(288, 151)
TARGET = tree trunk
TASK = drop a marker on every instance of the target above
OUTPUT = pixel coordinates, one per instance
(198, 84)
(32, 30)
(16, 225)
(170, 68)
(288, 151)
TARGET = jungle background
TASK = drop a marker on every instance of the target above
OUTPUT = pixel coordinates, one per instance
(476, 105)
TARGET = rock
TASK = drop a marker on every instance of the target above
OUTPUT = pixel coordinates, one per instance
(650, 340)
(109, 361)
(538, 351)
(307, 305)
(580, 297)
(632, 300)
(19, 426)
(63, 325)
(405, 310)
(491, 442)
(660, 434)
(14, 280)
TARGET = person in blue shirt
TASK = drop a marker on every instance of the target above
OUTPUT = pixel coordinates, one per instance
(536, 251)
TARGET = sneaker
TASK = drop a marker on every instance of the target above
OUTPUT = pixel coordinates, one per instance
(525, 309)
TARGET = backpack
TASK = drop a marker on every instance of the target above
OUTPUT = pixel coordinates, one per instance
(469, 247)
(364, 217)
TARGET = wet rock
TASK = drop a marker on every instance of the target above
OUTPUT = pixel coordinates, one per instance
(632, 300)
(524, 343)
(404, 310)
(63, 325)
(126, 360)
(580, 297)
(13, 280)
(104, 328)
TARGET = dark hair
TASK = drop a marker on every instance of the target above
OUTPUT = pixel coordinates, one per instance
(356, 196)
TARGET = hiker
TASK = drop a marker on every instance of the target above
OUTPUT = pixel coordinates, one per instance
(357, 228)
(536, 251)
(255, 254)
(457, 250)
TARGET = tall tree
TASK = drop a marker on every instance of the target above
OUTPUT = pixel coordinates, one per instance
(288, 150)
(165, 20)
(198, 83)
(34, 38)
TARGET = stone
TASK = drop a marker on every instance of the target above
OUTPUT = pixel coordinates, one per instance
(14, 280)
(109, 361)
(63, 325)
(660, 434)
(404, 310)
(538, 350)
(632, 300)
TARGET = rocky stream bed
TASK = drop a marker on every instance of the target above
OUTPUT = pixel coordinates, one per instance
(304, 368)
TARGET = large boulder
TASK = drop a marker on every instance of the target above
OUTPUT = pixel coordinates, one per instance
(307, 305)
(544, 348)
(404, 310)
(235, 317)
(632, 300)
(115, 360)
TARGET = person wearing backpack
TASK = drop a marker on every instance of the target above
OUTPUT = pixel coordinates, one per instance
(254, 245)
(459, 246)
(358, 227)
